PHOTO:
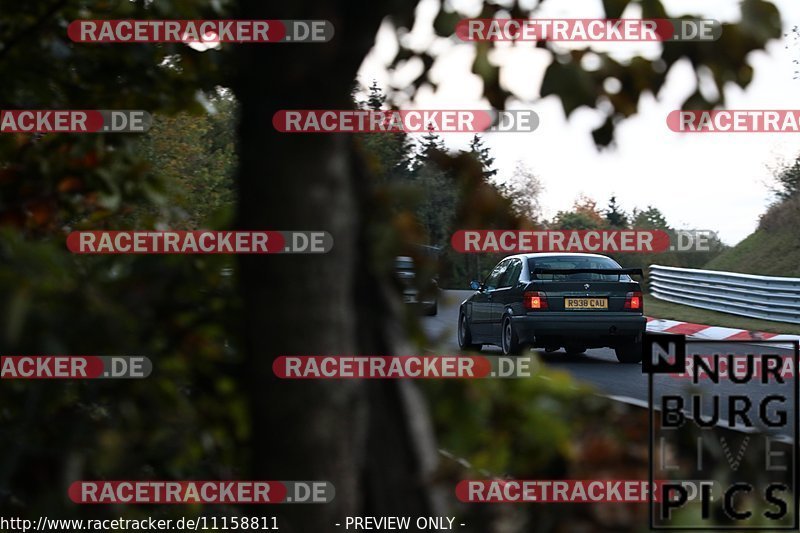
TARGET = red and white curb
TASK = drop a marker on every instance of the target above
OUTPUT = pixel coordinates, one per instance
(713, 333)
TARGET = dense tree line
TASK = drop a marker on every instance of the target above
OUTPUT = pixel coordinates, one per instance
(213, 409)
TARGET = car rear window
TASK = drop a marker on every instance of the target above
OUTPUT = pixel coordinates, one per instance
(575, 262)
(404, 264)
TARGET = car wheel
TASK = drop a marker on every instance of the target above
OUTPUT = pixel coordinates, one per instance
(629, 352)
(465, 335)
(575, 349)
(433, 309)
(509, 341)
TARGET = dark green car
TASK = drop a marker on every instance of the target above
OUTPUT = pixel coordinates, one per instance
(556, 300)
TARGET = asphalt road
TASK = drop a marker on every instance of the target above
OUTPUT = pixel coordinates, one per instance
(627, 383)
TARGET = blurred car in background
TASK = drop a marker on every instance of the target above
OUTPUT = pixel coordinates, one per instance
(421, 292)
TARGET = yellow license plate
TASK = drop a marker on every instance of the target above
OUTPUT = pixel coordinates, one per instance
(586, 303)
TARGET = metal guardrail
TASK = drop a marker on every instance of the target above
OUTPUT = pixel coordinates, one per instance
(766, 297)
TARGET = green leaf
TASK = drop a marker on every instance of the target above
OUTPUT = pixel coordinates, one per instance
(445, 23)
(761, 19)
(614, 8)
(573, 85)
(653, 9)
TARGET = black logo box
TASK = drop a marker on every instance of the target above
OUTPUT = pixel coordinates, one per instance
(677, 343)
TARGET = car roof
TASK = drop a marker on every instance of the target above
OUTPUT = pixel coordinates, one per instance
(543, 255)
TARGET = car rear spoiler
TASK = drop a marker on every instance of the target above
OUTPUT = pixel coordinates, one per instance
(617, 271)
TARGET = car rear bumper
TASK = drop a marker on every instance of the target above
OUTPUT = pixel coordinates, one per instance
(413, 297)
(582, 326)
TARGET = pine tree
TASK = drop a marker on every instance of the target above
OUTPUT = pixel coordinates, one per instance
(615, 216)
(483, 155)
(392, 154)
(376, 98)
(431, 142)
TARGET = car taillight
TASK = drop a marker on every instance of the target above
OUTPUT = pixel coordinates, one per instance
(534, 300)
(634, 301)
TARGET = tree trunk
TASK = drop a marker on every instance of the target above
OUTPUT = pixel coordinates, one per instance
(316, 304)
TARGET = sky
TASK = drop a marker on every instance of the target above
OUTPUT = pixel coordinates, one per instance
(717, 182)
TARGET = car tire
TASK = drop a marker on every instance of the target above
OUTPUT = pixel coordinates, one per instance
(465, 335)
(575, 349)
(629, 352)
(433, 309)
(509, 342)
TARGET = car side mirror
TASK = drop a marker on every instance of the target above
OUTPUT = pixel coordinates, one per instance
(474, 285)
